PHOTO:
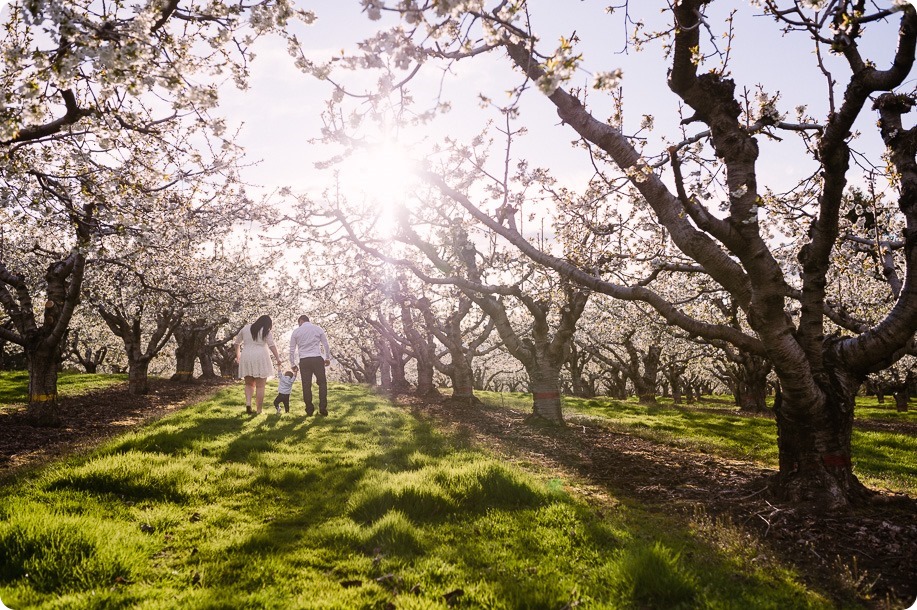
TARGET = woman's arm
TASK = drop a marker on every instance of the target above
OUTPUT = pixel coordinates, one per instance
(271, 345)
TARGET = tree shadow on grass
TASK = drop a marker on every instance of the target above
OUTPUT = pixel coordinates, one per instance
(675, 480)
(386, 496)
(373, 496)
(417, 499)
(179, 437)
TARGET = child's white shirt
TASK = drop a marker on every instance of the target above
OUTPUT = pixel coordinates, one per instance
(285, 385)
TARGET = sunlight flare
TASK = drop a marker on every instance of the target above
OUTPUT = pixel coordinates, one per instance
(381, 176)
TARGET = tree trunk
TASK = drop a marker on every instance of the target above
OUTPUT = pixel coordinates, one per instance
(185, 355)
(225, 358)
(425, 387)
(400, 383)
(385, 374)
(646, 398)
(576, 365)
(872, 387)
(616, 385)
(645, 381)
(736, 390)
(191, 338)
(138, 382)
(645, 388)
(544, 384)
(43, 345)
(581, 387)
(593, 385)
(753, 397)
(398, 362)
(901, 398)
(462, 383)
(369, 370)
(205, 357)
(43, 366)
(751, 383)
(813, 442)
(675, 380)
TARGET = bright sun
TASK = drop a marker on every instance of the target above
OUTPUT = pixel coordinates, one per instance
(381, 176)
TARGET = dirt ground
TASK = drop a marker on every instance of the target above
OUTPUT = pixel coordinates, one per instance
(88, 420)
(870, 552)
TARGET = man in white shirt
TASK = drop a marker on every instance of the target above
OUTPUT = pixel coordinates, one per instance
(311, 344)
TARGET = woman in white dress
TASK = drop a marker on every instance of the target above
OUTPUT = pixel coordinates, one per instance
(254, 345)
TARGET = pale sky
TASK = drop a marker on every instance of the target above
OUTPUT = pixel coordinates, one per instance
(281, 110)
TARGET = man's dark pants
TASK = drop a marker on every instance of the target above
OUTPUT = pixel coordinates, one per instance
(314, 365)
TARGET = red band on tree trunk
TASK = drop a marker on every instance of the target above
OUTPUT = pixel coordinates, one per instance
(546, 395)
(836, 460)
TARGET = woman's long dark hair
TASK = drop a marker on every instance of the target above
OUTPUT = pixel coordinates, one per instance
(261, 327)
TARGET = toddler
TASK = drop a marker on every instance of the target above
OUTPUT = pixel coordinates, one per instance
(284, 387)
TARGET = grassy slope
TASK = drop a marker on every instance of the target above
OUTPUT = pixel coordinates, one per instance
(881, 459)
(212, 509)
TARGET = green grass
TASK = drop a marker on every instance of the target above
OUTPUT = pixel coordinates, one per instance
(868, 407)
(14, 385)
(881, 459)
(370, 506)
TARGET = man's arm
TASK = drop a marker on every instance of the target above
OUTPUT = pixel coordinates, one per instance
(293, 361)
(324, 340)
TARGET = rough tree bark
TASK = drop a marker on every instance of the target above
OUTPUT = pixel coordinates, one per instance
(463, 345)
(673, 371)
(191, 339)
(419, 344)
(752, 383)
(746, 376)
(129, 327)
(393, 357)
(43, 344)
(645, 382)
(641, 368)
(542, 354)
(819, 376)
(576, 365)
(225, 359)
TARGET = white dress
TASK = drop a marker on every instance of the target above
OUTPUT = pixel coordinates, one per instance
(255, 360)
